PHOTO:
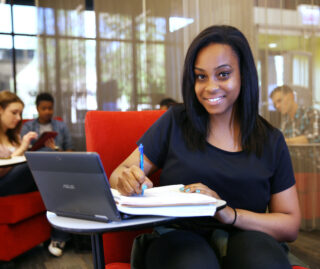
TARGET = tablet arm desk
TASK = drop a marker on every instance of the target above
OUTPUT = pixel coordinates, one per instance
(95, 229)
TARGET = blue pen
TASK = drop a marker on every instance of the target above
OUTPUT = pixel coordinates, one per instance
(141, 156)
(141, 166)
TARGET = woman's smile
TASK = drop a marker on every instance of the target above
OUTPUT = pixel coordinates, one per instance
(215, 100)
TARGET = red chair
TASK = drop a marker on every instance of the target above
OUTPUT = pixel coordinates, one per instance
(113, 135)
(23, 224)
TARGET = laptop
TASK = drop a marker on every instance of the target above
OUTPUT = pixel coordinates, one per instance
(74, 184)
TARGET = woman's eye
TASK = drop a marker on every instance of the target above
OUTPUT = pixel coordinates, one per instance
(224, 74)
(200, 77)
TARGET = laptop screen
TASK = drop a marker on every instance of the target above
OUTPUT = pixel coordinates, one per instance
(73, 184)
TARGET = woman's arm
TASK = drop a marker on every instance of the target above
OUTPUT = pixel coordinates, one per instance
(282, 221)
(128, 178)
(25, 142)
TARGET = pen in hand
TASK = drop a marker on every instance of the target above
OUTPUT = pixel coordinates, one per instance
(141, 166)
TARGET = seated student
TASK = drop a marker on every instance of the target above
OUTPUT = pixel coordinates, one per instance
(14, 179)
(61, 142)
(166, 103)
(217, 144)
(300, 125)
(44, 123)
(17, 179)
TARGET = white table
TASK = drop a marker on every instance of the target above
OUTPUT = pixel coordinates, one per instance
(95, 229)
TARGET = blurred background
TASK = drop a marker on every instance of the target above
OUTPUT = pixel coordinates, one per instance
(128, 55)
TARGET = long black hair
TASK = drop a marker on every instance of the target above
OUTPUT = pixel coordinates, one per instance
(195, 127)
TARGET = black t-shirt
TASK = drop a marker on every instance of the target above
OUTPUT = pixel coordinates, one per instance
(243, 180)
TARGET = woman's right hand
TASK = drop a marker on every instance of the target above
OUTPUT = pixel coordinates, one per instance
(26, 139)
(25, 142)
(131, 180)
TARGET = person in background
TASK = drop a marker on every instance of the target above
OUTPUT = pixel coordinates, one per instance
(17, 179)
(299, 125)
(45, 123)
(166, 103)
(14, 179)
(61, 142)
(217, 144)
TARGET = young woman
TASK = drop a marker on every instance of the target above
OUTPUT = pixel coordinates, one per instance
(13, 179)
(18, 178)
(218, 145)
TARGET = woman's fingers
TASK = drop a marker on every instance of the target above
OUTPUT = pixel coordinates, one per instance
(131, 180)
(200, 188)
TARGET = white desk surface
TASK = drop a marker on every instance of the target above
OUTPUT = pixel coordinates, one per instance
(88, 226)
(12, 161)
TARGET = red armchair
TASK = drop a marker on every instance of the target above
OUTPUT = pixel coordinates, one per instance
(113, 135)
(23, 224)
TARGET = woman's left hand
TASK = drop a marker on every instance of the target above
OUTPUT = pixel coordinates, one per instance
(225, 215)
(200, 188)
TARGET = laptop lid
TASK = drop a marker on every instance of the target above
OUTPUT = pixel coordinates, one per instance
(73, 184)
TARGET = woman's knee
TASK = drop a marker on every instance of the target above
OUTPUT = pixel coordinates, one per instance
(180, 249)
(253, 249)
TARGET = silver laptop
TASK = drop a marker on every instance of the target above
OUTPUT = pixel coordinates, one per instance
(74, 184)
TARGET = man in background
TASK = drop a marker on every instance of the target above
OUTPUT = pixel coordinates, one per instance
(62, 142)
(299, 125)
(45, 123)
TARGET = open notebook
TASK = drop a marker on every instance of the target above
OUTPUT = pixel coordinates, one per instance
(168, 201)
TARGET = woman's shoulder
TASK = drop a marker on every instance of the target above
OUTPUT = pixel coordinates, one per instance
(178, 112)
(273, 134)
(170, 119)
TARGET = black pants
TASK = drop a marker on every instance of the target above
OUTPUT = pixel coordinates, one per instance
(18, 180)
(188, 250)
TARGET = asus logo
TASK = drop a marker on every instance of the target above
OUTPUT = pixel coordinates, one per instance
(68, 186)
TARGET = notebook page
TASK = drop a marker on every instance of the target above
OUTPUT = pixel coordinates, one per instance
(163, 196)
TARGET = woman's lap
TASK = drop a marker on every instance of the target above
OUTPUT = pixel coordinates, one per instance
(18, 180)
(186, 249)
(180, 249)
(253, 249)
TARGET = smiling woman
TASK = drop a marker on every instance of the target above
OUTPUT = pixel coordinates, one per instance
(216, 144)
